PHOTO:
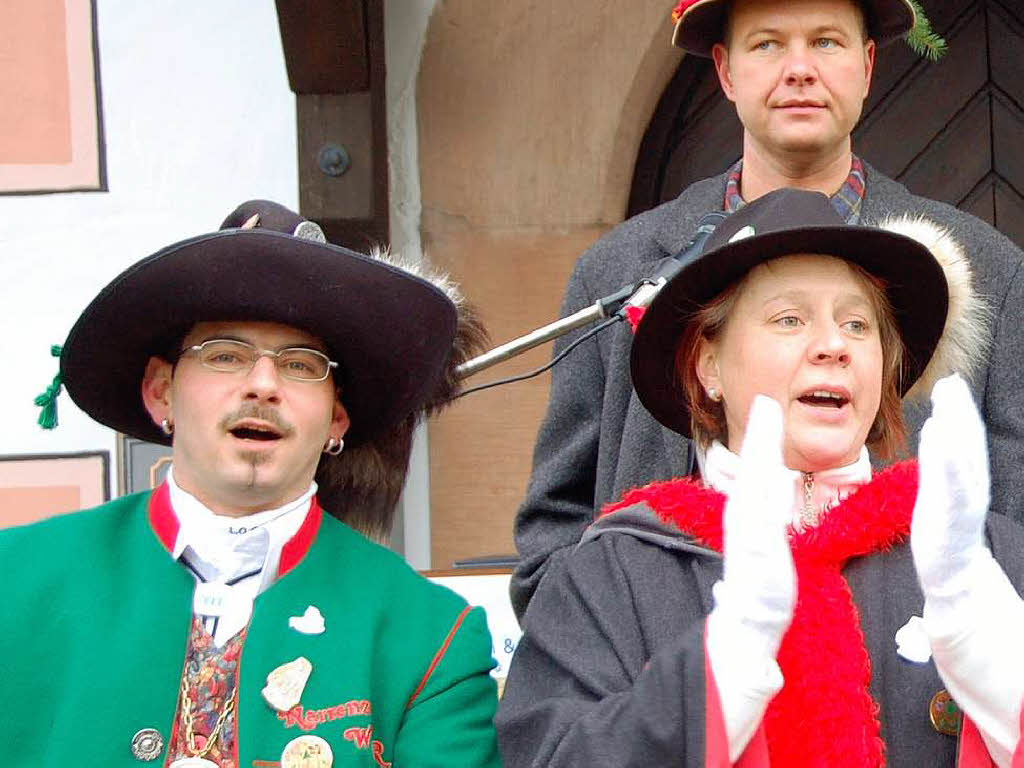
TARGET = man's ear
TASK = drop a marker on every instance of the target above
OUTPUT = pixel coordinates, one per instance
(869, 65)
(156, 390)
(340, 421)
(707, 366)
(720, 55)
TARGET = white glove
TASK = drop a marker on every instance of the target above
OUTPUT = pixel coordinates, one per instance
(947, 530)
(754, 600)
(973, 616)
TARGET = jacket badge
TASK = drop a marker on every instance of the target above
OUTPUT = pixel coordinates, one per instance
(286, 683)
(912, 641)
(309, 623)
(307, 752)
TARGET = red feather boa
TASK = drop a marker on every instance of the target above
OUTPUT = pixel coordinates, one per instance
(824, 714)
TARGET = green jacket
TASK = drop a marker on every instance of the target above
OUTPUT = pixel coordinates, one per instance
(94, 623)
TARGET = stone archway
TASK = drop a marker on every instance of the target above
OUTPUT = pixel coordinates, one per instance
(530, 118)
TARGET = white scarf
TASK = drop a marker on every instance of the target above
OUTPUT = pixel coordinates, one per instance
(242, 550)
(813, 494)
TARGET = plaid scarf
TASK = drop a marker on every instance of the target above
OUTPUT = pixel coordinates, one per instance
(847, 201)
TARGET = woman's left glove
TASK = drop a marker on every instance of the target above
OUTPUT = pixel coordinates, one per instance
(754, 600)
(972, 614)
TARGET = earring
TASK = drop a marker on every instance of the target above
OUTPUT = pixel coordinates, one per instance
(167, 427)
(335, 445)
(714, 394)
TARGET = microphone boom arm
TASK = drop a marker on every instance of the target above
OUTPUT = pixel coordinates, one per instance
(638, 294)
(603, 307)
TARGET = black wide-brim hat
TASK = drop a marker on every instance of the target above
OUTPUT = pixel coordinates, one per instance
(701, 23)
(390, 331)
(786, 222)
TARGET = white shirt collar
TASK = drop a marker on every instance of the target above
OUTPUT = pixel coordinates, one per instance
(813, 494)
(234, 547)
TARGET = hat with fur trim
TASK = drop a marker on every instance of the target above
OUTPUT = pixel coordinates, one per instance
(700, 24)
(925, 275)
(361, 486)
(390, 330)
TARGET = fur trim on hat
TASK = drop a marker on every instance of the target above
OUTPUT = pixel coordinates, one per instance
(963, 346)
(361, 486)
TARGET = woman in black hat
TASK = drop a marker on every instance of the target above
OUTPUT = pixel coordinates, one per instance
(771, 613)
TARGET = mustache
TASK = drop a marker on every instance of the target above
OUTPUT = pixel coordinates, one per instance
(259, 412)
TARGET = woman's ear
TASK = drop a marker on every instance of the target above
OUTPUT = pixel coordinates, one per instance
(707, 366)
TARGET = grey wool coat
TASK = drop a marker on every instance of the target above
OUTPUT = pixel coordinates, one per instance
(597, 440)
(610, 669)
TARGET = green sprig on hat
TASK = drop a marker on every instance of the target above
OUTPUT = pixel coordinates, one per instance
(48, 399)
(921, 38)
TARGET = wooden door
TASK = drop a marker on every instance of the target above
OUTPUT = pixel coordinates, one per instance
(951, 130)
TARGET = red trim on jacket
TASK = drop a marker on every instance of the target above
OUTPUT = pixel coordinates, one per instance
(298, 545)
(971, 751)
(716, 741)
(439, 655)
(165, 525)
(162, 519)
(1018, 754)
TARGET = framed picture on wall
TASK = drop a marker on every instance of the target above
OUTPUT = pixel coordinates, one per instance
(34, 487)
(51, 126)
(141, 466)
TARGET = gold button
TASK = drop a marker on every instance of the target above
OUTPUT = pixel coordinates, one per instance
(945, 714)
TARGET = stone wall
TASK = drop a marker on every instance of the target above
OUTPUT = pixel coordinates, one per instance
(530, 117)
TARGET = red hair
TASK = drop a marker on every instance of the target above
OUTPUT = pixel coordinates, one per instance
(886, 438)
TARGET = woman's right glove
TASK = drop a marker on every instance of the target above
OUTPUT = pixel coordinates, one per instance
(754, 601)
(972, 614)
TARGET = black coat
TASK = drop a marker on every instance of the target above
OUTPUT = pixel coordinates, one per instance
(610, 669)
(597, 441)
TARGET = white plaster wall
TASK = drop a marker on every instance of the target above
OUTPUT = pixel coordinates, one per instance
(198, 117)
(405, 31)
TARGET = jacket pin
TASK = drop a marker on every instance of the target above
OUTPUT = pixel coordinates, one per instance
(309, 623)
(286, 683)
(912, 641)
(944, 713)
(147, 744)
(307, 752)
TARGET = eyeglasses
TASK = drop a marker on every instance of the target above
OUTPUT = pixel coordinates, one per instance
(230, 356)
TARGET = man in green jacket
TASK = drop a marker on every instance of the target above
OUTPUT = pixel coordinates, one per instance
(224, 619)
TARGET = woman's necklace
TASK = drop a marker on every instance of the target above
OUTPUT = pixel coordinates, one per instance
(808, 515)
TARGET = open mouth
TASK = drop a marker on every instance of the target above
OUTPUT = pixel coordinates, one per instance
(823, 398)
(255, 433)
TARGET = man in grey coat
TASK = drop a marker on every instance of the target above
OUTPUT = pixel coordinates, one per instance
(798, 73)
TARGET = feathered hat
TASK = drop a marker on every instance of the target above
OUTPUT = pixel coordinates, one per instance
(925, 273)
(398, 332)
(361, 487)
(699, 24)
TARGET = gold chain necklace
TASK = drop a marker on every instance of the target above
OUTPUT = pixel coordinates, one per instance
(186, 714)
(809, 515)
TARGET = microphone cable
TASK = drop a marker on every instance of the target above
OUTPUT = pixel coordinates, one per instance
(550, 364)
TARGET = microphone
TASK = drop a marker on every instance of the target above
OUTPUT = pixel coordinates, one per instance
(612, 306)
(651, 286)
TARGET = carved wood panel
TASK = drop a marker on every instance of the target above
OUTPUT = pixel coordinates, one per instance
(951, 130)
